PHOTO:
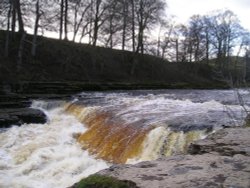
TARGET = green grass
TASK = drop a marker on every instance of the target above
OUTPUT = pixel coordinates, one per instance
(98, 181)
(247, 121)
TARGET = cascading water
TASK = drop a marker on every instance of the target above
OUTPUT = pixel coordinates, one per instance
(97, 129)
(44, 156)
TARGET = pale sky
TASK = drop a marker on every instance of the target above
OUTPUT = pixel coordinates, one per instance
(184, 9)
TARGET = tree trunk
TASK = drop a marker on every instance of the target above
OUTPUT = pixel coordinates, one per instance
(159, 43)
(13, 21)
(133, 25)
(125, 9)
(66, 21)
(34, 42)
(91, 22)
(61, 20)
(95, 32)
(140, 47)
(190, 52)
(111, 32)
(96, 21)
(207, 47)
(219, 54)
(142, 42)
(197, 51)
(19, 16)
(141, 18)
(177, 50)
(75, 21)
(6, 50)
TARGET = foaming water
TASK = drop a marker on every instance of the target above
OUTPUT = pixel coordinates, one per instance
(163, 142)
(137, 126)
(96, 129)
(45, 155)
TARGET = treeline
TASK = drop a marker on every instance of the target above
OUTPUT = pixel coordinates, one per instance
(140, 26)
(112, 23)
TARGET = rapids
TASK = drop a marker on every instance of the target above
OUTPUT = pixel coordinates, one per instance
(97, 129)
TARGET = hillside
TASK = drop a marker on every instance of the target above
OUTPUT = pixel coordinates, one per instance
(67, 62)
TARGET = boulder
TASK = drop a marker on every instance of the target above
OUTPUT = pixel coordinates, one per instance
(19, 116)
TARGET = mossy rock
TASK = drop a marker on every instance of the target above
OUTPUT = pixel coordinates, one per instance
(247, 121)
(98, 181)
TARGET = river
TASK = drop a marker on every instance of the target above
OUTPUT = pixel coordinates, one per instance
(97, 129)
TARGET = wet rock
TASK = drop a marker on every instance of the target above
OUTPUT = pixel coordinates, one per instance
(7, 120)
(227, 142)
(190, 127)
(19, 116)
(207, 170)
(14, 108)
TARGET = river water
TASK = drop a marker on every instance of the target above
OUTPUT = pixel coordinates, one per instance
(97, 129)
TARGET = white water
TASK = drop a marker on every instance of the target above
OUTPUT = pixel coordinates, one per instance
(177, 108)
(45, 155)
(48, 156)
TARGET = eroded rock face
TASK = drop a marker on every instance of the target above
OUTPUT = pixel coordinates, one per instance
(220, 160)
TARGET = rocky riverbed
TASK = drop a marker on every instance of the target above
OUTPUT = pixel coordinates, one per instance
(15, 102)
(220, 160)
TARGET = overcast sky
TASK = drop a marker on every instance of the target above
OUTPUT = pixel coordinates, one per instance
(183, 9)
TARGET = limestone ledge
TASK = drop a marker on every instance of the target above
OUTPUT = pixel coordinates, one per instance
(220, 160)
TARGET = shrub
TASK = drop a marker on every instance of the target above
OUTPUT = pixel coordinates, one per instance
(99, 181)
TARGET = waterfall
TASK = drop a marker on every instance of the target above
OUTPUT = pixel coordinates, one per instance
(107, 137)
(45, 155)
(98, 129)
(126, 129)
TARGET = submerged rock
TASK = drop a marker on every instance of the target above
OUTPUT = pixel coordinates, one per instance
(220, 160)
(19, 116)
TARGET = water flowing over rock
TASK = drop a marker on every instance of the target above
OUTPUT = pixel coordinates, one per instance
(222, 160)
(128, 127)
(90, 131)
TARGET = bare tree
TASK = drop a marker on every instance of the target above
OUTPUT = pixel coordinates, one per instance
(80, 9)
(66, 7)
(147, 13)
(19, 15)
(133, 23)
(61, 19)
(99, 9)
(7, 39)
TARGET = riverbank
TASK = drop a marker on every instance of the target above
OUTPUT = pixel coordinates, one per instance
(98, 68)
(15, 106)
(220, 160)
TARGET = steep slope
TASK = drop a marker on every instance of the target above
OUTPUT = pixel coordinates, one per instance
(64, 61)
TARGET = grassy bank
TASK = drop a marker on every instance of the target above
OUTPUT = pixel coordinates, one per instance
(99, 68)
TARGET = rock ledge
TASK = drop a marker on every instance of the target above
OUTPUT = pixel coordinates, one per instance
(220, 160)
